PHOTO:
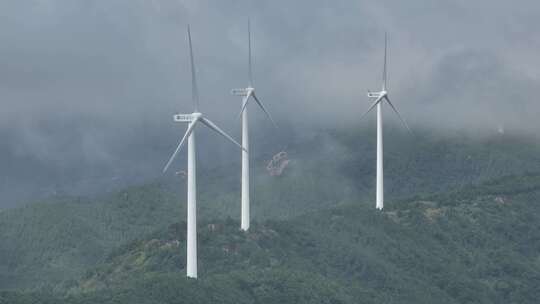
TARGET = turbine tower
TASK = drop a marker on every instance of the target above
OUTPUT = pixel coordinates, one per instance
(380, 97)
(193, 119)
(247, 94)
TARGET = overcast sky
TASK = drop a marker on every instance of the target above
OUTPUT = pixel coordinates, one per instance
(88, 87)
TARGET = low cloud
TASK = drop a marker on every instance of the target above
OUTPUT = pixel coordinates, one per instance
(93, 84)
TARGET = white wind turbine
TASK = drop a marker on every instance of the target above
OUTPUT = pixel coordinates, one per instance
(247, 94)
(380, 97)
(192, 119)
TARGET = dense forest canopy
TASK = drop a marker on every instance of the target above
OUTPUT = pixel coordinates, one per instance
(462, 226)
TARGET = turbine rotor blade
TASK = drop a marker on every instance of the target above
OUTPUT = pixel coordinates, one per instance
(194, 88)
(399, 115)
(214, 127)
(385, 73)
(179, 147)
(264, 109)
(244, 104)
(372, 106)
(250, 71)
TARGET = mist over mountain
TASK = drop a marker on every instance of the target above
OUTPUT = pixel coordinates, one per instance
(89, 87)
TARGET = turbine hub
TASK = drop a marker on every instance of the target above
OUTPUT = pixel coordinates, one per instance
(196, 115)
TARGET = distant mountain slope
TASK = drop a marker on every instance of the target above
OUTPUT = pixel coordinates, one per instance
(44, 244)
(49, 242)
(479, 245)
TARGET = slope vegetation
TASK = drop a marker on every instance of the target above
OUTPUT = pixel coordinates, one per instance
(478, 245)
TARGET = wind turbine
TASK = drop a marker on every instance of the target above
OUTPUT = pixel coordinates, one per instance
(380, 97)
(247, 94)
(193, 119)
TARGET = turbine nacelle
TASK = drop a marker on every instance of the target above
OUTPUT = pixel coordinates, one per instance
(187, 118)
(378, 95)
(242, 92)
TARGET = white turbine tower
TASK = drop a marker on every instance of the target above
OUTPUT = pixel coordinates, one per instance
(192, 119)
(247, 94)
(380, 97)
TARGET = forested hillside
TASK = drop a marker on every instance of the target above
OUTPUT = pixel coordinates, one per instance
(49, 242)
(479, 245)
(453, 231)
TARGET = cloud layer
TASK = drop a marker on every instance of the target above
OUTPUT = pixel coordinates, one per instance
(88, 87)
